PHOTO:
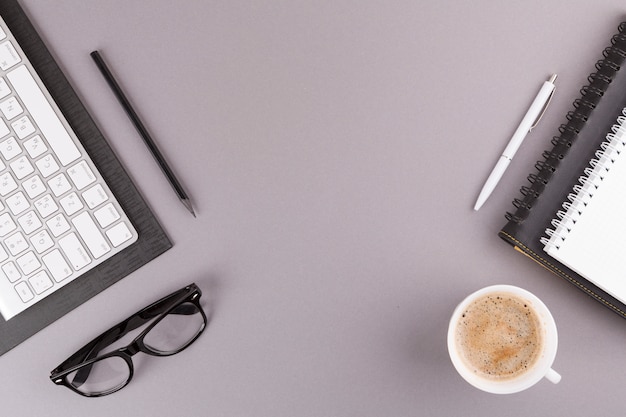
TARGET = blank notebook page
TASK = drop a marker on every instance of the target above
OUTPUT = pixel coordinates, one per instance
(589, 235)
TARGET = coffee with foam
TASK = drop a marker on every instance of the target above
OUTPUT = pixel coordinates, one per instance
(499, 336)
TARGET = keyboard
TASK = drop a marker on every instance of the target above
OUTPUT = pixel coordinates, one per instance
(58, 217)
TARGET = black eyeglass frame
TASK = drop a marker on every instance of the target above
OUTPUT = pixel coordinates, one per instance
(157, 311)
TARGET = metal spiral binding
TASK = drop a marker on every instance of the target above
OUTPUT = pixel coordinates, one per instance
(589, 183)
(590, 95)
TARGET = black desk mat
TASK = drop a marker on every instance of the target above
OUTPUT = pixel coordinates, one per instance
(152, 239)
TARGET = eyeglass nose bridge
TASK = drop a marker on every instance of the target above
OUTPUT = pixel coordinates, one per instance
(133, 349)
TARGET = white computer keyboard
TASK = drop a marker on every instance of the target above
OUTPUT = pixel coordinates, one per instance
(58, 218)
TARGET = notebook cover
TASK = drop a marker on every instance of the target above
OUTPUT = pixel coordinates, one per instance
(585, 128)
(152, 239)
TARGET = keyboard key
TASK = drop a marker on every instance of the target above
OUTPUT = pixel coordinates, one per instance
(2, 34)
(95, 196)
(47, 165)
(41, 241)
(7, 184)
(18, 203)
(59, 185)
(29, 222)
(10, 148)
(24, 292)
(8, 56)
(90, 233)
(11, 272)
(7, 225)
(58, 225)
(40, 282)
(35, 146)
(107, 215)
(71, 204)
(119, 234)
(16, 243)
(4, 88)
(74, 250)
(81, 175)
(23, 127)
(43, 114)
(34, 186)
(3, 254)
(46, 206)
(4, 129)
(57, 266)
(11, 108)
(28, 263)
(22, 167)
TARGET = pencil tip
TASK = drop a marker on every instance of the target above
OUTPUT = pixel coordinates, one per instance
(187, 204)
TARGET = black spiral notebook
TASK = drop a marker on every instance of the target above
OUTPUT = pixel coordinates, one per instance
(571, 217)
(152, 240)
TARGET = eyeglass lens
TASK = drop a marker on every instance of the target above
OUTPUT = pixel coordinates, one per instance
(174, 332)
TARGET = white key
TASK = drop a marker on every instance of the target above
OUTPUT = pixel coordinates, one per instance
(4, 88)
(10, 148)
(81, 175)
(75, 252)
(57, 265)
(7, 225)
(29, 222)
(3, 254)
(18, 203)
(35, 146)
(90, 233)
(58, 225)
(59, 185)
(23, 127)
(11, 272)
(11, 108)
(43, 114)
(40, 282)
(24, 292)
(41, 241)
(119, 234)
(7, 184)
(4, 129)
(22, 167)
(47, 165)
(8, 56)
(28, 263)
(34, 186)
(95, 196)
(71, 204)
(16, 243)
(46, 206)
(106, 215)
(2, 34)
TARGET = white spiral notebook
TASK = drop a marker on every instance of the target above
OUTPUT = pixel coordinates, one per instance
(589, 233)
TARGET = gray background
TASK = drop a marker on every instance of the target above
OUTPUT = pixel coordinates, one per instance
(334, 151)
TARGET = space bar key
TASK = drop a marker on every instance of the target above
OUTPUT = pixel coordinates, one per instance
(44, 115)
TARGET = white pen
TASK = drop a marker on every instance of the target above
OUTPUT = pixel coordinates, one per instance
(534, 113)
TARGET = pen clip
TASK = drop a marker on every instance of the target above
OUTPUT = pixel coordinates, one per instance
(545, 106)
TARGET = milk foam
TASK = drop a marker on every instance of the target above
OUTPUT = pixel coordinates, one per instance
(499, 336)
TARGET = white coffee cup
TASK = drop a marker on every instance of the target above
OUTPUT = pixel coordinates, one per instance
(540, 368)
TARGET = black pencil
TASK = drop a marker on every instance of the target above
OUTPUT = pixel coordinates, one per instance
(143, 132)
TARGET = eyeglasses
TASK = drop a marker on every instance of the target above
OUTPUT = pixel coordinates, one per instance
(175, 322)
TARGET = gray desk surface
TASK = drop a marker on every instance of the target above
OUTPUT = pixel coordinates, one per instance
(334, 151)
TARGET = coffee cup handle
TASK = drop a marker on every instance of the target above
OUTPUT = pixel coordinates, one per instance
(553, 376)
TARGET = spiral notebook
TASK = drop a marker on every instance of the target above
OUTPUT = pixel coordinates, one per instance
(569, 216)
(587, 235)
